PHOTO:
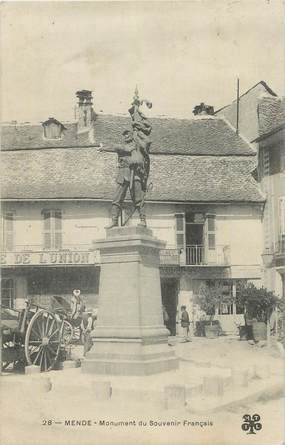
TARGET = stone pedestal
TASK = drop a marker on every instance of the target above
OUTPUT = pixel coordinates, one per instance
(130, 337)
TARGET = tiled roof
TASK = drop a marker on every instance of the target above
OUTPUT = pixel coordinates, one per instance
(199, 136)
(271, 114)
(27, 136)
(84, 173)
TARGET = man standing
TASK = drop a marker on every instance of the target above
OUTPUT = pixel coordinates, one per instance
(185, 323)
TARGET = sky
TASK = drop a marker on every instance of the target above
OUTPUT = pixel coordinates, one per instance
(178, 54)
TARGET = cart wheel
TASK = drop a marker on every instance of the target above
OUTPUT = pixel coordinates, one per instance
(43, 340)
(67, 333)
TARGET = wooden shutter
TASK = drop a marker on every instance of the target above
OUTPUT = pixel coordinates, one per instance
(211, 232)
(8, 231)
(57, 229)
(180, 236)
(52, 233)
(47, 230)
(180, 230)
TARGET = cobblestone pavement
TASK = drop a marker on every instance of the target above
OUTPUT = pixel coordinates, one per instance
(29, 411)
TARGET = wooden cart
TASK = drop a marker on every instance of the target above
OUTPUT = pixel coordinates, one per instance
(34, 336)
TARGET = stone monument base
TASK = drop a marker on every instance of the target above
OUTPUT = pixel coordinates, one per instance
(130, 337)
(135, 358)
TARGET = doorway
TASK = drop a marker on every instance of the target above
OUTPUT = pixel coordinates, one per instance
(194, 234)
(169, 294)
(195, 252)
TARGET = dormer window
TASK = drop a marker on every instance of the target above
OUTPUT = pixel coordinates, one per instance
(53, 129)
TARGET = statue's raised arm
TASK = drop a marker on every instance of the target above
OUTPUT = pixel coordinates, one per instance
(124, 148)
(133, 163)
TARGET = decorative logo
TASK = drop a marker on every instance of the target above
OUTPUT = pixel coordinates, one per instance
(251, 423)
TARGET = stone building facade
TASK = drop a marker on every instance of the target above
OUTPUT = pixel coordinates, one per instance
(262, 122)
(56, 192)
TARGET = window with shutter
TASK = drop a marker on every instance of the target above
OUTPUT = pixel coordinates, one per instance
(180, 230)
(47, 229)
(57, 217)
(57, 230)
(8, 230)
(52, 229)
(211, 229)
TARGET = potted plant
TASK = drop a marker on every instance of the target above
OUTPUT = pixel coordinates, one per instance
(259, 304)
(208, 298)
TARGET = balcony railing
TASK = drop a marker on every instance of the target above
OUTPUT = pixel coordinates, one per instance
(195, 255)
(198, 255)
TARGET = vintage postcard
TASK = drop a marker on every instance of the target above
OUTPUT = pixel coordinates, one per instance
(142, 222)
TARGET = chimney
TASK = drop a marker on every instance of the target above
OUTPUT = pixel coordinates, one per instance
(86, 113)
(203, 110)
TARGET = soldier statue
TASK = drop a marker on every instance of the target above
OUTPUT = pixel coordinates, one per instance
(133, 163)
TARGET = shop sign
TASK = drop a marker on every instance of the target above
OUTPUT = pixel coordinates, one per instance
(45, 258)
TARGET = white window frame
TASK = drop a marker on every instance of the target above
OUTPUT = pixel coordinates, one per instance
(5, 233)
(211, 216)
(181, 232)
(53, 230)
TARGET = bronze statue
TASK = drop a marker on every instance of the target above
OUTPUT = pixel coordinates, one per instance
(133, 164)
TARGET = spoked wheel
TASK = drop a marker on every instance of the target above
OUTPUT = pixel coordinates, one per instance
(67, 333)
(43, 340)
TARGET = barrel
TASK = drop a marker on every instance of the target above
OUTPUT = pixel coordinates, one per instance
(259, 331)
